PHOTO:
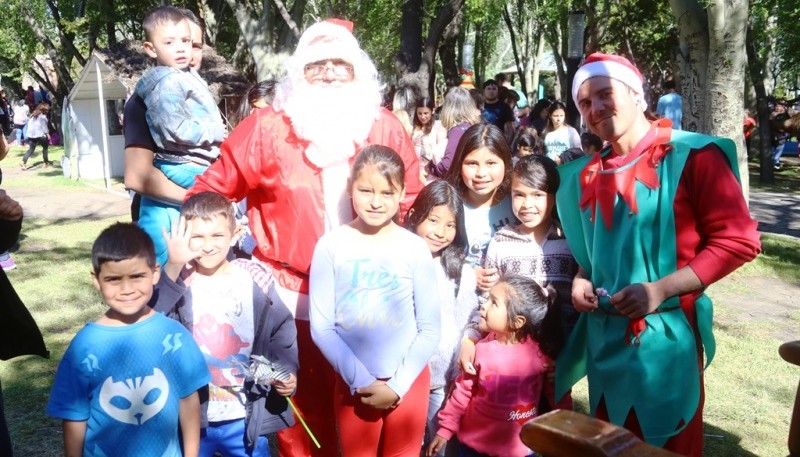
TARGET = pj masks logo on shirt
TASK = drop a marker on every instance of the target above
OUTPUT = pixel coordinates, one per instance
(135, 400)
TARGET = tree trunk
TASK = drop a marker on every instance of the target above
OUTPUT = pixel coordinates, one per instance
(514, 46)
(757, 70)
(423, 78)
(409, 57)
(537, 65)
(448, 53)
(712, 59)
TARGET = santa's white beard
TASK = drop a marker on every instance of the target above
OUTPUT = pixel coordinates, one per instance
(334, 120)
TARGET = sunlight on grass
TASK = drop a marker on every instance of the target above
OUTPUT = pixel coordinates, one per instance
(780, 259)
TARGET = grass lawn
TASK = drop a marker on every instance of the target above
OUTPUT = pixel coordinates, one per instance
(749, 389)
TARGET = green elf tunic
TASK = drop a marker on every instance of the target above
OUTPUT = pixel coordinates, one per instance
(622, 232)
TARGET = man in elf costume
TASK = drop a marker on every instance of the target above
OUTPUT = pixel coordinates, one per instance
(292, 161)
(652, 220)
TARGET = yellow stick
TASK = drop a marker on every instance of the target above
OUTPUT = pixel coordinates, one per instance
(305, 426)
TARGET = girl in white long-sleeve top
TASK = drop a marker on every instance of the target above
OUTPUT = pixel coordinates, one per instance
(375, 314)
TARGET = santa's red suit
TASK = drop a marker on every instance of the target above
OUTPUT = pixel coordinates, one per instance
(265, 161)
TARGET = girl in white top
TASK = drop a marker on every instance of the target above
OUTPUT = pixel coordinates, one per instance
(481, 172)
(438, 217)
(374, 316)
(428, 135)
(558, 135)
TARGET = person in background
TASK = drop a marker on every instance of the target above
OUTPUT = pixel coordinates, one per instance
(779, 135)
(458, 114)
(670, 105)
(496, 111)
(538, 116)
(38, 131)
(652, 220)
(6, 113)
(30, 98)
(20, 118)
(559, 135)
(749, 126)
(429, 136)
(260, 95)
(591, 143)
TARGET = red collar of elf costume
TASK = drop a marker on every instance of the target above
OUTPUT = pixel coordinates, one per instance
(600, 187)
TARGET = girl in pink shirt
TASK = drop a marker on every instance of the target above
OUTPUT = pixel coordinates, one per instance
(486, 410)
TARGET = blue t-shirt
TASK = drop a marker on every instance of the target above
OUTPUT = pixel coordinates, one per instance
(126, 383)
(671, 106)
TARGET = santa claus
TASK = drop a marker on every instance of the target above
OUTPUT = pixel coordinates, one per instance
(292, 161)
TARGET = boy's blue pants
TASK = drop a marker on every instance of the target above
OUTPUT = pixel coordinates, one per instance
(228, 438)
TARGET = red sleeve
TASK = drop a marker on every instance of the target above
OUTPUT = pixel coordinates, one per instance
(715, 234)
(234, 171)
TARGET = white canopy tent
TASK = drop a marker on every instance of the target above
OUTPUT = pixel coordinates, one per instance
(91, 122)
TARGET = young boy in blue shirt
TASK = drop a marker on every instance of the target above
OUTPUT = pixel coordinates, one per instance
(231, 319)
(128, 382)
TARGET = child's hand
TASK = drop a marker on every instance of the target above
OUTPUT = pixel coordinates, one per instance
(437, 444)
(378, 395)
(178, 242)
(486, 278)
(583, 297)
(466, 356)
(286, 388)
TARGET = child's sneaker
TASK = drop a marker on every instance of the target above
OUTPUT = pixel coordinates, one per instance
(8, 264)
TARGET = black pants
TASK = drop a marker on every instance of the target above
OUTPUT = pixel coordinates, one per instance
(32, 142)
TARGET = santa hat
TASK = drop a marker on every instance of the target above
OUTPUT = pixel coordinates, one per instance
(610, 66)
(329, 39)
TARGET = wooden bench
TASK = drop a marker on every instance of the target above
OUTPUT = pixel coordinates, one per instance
(563, 433)
(790, 352)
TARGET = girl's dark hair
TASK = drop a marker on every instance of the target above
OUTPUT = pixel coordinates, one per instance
(476, 137)
(262, 90)
(590, 139)
(424, 103)
(527, 139)
(538, 107)
(555, 107)
(439, 193)
(122, 241)
(538, 172)
(385, 160)
(526, 298)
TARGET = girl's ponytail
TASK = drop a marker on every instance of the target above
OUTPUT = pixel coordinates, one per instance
(551, 336)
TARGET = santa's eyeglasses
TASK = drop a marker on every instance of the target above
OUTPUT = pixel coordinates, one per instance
(337, 66)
